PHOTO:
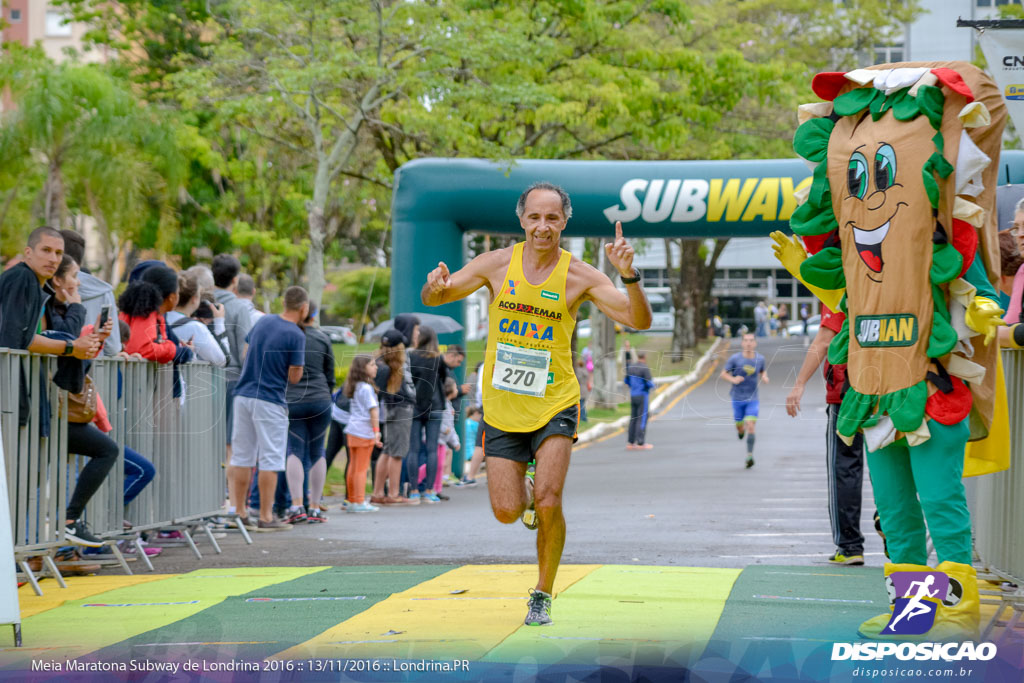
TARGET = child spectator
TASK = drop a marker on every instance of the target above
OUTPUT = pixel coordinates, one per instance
(398, 398)
(362, 431)
(474, 454)
(448, 439)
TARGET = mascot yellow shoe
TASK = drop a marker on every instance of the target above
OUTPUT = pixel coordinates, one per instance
(955, 616)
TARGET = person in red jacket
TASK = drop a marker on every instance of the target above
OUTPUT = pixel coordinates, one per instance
(143, 306)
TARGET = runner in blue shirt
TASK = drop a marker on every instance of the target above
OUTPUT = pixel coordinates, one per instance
(745, 370)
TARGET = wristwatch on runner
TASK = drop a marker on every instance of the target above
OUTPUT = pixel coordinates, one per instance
(631, 280)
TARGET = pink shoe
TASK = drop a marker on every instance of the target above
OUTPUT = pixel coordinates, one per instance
(150, 552)
(171, 534)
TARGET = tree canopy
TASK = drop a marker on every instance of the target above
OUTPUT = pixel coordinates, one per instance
(274, 128)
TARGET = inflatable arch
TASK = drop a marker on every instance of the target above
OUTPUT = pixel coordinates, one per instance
(437, 201)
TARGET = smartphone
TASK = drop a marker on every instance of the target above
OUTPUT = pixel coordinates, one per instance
(104, 315)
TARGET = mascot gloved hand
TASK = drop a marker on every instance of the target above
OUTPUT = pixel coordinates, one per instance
(791, 254)
(984, 316)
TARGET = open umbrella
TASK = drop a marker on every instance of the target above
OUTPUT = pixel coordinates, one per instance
(442, 324)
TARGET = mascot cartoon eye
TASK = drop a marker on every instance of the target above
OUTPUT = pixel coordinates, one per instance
(857, 175)
(885, 167)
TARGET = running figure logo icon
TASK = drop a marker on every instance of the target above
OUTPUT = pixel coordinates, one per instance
(916, 598)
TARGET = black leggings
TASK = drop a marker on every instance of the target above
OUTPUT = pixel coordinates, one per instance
(87, 440)
(335, 442)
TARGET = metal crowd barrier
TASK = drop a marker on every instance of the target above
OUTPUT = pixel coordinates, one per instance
(997, 507)
(36, 468)
(182, 436)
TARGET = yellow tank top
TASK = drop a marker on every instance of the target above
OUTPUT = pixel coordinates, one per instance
(528, 375)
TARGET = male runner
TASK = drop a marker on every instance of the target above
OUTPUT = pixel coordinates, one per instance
(530, 393)
(744, 370)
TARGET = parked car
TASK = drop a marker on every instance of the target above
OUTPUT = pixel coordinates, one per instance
(796, 329)
(340, 335)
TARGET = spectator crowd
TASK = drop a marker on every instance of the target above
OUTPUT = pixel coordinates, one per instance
(287, 415)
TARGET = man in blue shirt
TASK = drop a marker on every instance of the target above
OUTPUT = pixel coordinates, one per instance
(259, 437)
(745, 370)
(638, 378)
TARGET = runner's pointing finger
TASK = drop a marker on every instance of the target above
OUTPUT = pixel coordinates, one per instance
(618, 230)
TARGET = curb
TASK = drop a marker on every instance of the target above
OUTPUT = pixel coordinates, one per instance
(598, 431)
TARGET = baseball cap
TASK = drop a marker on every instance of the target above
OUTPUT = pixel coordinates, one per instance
(393, 337)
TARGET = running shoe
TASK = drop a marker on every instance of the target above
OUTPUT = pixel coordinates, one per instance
(79, 533)
(414, 499)
(539, 609)
(296, 515)
(740, 434)
(362, 507)
(442, 496)
(431, 498)
(530, 514)
(465, 483)
(750, 461)
(316, 516)
(839, 558)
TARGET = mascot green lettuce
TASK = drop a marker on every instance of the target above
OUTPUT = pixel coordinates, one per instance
(900, 221)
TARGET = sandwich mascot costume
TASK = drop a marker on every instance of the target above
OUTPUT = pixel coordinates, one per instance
(899, 216)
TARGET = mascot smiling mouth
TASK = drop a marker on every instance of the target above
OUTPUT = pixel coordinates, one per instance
(869, 243)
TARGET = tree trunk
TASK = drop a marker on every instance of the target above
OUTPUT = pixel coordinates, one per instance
(55, 209)
(605, 394)
(315, 278)
(691, 285)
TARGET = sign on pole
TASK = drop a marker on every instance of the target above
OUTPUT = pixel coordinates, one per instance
(10, 613)
(1004, 51)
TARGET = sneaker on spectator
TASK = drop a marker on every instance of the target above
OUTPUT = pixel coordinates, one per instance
(316, 516)
(297, 515)
(431, 498)
(102, 550)
(414, 499)
(465, 483)
(362, 507)
(442, 496)
(150, 552)
(78, 532)
(174, 535)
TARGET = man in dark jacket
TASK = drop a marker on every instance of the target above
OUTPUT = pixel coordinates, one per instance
(638, 378)
(22, 300)
(21, 308)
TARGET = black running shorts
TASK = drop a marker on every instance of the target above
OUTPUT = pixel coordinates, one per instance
(522, 446)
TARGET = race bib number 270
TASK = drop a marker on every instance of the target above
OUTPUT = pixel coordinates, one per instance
(521, 371)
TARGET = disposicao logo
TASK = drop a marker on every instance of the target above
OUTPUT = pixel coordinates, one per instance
(916, 598)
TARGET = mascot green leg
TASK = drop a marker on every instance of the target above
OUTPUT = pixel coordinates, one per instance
(932, 471)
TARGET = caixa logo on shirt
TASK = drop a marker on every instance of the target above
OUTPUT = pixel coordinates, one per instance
(886, 330)
(526, 329)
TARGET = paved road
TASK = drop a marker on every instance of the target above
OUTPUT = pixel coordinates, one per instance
(687, 502)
